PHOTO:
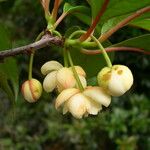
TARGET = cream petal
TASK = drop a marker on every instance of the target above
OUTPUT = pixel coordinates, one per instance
(77, 105)
(92, 106)
(64, 96)
(79, 70)
(65, 108)
(65, 78)
(115, 85)
(99, 95)
(121, 80)
(83, 81)
(50, 66)
(49, 82)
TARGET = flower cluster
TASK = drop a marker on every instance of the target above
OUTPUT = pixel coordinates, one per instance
(80, 102)
(113, 81)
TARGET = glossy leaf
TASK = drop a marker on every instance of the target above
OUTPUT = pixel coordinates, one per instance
(70, 9)
(116, 10)
(139, 42)
(143, 24)
(119, 8)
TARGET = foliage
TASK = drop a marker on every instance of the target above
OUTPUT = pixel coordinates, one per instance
(123, 126)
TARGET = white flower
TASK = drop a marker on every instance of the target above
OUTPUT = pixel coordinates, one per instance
(116, 80)
(31, 90)
(81, 104)
(61, 77)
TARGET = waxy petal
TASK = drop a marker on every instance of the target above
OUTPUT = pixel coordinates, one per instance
(92, 106)
(77, 105)
(98, 94)
(65, 78)
(64, 96)
(83, 81)
(50, 66)
(49, 82)
(79, 70)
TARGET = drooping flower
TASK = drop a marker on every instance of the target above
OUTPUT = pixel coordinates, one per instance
(81, 104)
(31, 90)
(116, 80)
(60, 77)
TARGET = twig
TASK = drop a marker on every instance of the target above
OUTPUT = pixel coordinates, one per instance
(112, 49)
(55, 9)
(95, 22)
(63, 15)
(45, 41)
(124, 22)
(45, 4)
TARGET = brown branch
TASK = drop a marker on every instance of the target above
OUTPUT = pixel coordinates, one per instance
(112, 49)
(45, 41)
(124, 22)
(95, 22)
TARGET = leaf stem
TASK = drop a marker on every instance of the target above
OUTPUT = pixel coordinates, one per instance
(113, 49)
(75, 72)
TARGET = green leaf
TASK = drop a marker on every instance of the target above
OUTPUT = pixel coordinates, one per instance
(95, 6)
(8, 68)
(83, 17)
(116, 10)
(70, 9)
(92, 64)
(119, 8)
(139, 42)
(143, 24)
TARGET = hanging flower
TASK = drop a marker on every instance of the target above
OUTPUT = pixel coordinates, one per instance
(31, 90)
(60, 77)
(81, 104)
(116, 80)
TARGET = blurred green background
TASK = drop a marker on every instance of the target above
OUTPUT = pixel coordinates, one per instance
(125, 125)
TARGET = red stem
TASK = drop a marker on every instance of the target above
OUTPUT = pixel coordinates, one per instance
(112, 49)
(124, 22)
(95, 22)
(55, 9)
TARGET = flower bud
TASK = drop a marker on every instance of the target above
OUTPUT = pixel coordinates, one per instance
(31, 90)
(116, 80)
